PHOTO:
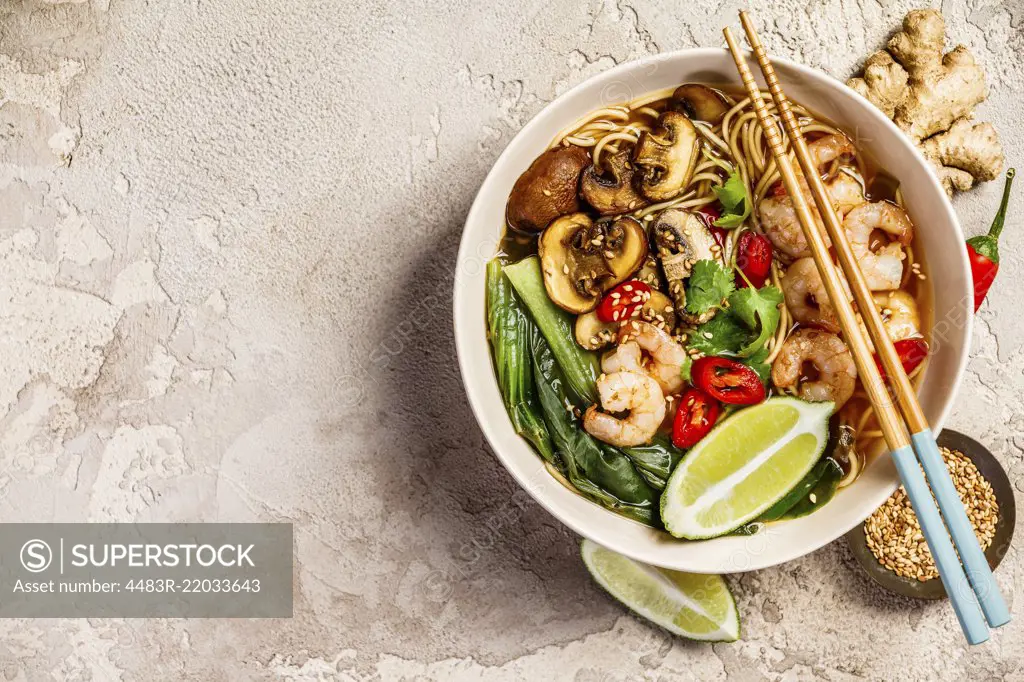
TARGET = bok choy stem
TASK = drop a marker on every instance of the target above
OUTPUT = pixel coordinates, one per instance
(509, 329)
(579, 366)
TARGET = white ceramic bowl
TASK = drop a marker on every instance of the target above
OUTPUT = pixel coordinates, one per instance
(938, 236)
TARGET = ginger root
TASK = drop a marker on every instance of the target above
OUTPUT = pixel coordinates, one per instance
(931, 96)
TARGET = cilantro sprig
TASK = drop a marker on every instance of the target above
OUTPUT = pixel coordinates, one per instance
(758, 309)
(743, 327)
(709, 286)
(736, 204)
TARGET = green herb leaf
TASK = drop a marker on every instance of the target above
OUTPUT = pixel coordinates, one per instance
(759, 311)
(709, 285)
(735, 202)
(759, 363)
(723, 333)
(685, 369)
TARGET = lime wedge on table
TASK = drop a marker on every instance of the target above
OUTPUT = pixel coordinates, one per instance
(746, 464)
(689, 604)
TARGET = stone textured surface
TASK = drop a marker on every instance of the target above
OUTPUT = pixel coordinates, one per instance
(227, 229)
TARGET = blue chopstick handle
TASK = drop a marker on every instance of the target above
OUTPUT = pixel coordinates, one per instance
(978, 571)
(952, 573)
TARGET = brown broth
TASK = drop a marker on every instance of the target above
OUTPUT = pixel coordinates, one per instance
(879, 186)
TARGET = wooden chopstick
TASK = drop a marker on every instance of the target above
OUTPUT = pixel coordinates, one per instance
(892, 425)
(904, 390)
(978, 572)
(890, 421)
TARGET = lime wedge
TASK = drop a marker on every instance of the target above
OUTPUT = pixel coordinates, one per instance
(746, 464)
(693, 605)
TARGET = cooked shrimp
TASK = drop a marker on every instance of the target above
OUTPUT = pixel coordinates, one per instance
(782, 227)
(882, 266)
(806, 297)
(847, 193)
(899, 313)
(828, 148)
(637, 394)
(625, 357)
(667, 357)
(833, 376)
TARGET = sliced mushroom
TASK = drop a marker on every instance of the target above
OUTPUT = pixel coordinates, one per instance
(592, 333)
(681, 239)
(648, 273)
(582, 259)
(659, 310)
(548, 189)
(625, 243)
(667, 156)
(700, 103)
(612, 193)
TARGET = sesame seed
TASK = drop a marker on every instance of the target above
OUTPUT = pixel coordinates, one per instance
(565, 269)
(894, 534)
(547, 192)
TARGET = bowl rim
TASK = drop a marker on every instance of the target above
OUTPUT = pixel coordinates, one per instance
(462, 337)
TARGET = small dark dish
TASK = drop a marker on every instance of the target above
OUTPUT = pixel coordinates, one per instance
(992, 470)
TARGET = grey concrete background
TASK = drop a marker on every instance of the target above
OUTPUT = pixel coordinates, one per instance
(227, 233)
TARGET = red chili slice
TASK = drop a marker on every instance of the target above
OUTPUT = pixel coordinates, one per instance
(911, 352)
(720, 235)
(754, 258)
(709, 213)
(624, 301)
(729, 381)
(696, 414)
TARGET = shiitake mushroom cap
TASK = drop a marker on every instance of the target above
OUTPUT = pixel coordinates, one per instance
(591, 333)
(610, 189)
(700, 103)
(547, 189)
(681, 238)
(581, 259)
(667, 156)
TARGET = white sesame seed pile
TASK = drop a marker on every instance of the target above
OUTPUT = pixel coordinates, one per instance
(894, 534)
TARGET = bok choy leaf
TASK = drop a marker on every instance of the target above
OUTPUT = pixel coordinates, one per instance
(598, 471)
(509, 330)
